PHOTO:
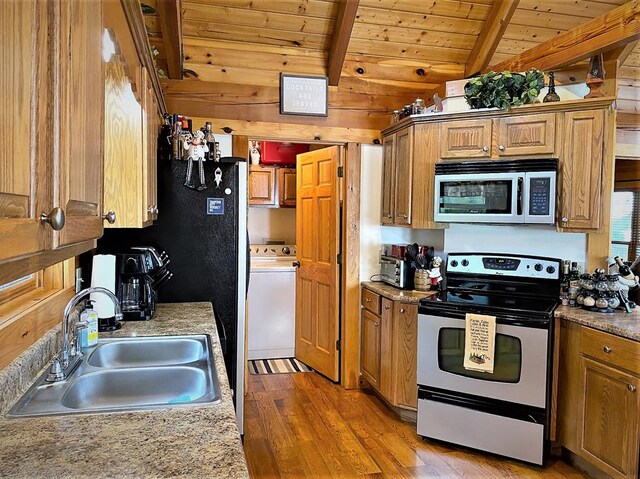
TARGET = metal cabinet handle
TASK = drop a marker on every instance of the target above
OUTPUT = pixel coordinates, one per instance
(368, 300)
(606, 349)
(386, 306)
(402, 310)
(485, 148)
(631, 388)
(55, 218)
(109, 217)
(501, 147)
(565, 219)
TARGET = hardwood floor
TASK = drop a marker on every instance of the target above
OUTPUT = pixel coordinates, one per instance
(302, 425)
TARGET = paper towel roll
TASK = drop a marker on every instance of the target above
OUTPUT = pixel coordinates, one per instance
(103, 274)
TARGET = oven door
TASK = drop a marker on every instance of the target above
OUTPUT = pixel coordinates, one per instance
(479, 198)
(520, 364)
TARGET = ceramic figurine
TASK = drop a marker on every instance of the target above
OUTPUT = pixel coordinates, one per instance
(434, 273)
(196, 147)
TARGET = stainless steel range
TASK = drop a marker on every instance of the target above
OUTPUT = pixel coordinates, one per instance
(507, 411)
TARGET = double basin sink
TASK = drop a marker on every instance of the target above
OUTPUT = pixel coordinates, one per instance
(129, 374)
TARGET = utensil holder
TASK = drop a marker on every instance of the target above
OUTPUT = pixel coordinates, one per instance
(422, 281)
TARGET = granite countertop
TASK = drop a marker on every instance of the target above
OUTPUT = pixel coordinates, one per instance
(396, 294)
(618, 323)
(196, 441)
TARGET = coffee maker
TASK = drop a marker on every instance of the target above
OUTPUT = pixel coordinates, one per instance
(134, 286)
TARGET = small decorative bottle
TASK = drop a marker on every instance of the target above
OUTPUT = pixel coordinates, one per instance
(551, 95)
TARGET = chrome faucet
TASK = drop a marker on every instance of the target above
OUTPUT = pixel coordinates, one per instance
(69, 358)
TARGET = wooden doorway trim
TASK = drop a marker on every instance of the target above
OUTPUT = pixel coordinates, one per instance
(350, 326)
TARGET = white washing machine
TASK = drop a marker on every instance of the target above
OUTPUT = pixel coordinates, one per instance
(272, 302)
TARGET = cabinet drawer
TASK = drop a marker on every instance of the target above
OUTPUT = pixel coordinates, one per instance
(371, 301)
(611, 349)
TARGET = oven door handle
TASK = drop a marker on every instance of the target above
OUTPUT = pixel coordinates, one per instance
(519, 196)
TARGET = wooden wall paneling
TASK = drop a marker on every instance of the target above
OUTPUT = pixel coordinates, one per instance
(402, 50)
(340, 39)
(170, 13)
(613, 29)
(432, 23)
(491, 35)
(26, 155)
(401, 34)
(385, 69)
(80, 90)
(351, 267)
(446, 8)
(585, 9)
(599, 243)
(312, 8)
(291, 131)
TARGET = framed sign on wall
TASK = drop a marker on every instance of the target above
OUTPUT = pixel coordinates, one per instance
(303, 95)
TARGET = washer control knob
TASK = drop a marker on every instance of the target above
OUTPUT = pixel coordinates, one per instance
(465, 262)
(551, 269)
(538, 267)
(286, 250)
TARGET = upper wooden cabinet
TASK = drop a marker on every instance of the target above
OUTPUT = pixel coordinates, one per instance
(526, 135)
(52, 154)
(287, 186)
(408, 176)
(132, 124)
(262, 185)
(272, 186)
(599, 398)
(581, 170)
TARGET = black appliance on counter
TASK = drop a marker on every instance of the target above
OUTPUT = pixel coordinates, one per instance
(205, 235)
(506, 412)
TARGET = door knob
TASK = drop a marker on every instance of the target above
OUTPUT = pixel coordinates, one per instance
(402, 310)
(109, 217)
(296, 264)
(151, 210)
(156, 210)
(55, 218)
(631, 387)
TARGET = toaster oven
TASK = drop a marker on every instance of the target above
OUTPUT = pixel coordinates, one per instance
(394, 271)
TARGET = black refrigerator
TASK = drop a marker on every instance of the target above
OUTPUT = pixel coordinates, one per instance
(204, 232)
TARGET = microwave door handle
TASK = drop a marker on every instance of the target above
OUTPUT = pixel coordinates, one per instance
(519, 198)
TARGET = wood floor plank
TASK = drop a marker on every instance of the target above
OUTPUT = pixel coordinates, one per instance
(302, 425)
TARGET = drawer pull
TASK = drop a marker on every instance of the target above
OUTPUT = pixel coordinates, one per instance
(386, 306)
(376, 324)
(485, 148)
(501, 147)
(606, 349)
(368, 300)
(402, 310)
(631, 388)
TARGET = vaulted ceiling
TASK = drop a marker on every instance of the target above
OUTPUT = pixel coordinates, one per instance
(235, 50)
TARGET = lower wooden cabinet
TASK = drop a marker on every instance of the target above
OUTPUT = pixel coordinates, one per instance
(388, 349)
(599, 399)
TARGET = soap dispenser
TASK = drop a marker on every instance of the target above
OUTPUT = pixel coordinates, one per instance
(89, 335)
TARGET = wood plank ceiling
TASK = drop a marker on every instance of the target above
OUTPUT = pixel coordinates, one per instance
(235, 50)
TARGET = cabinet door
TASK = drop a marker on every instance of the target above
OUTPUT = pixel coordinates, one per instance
(287, 186)
(403, 174)
(80, 89)
(525, 135)
(150, 131)
(405, 335)
(262, 184)
(466, 139)
(370, 348)
(388, 179)
(387, 372)
(610, 435)
(581, 170)
(25, 153)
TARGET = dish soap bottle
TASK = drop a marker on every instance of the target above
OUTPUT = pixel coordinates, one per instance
(89, 335)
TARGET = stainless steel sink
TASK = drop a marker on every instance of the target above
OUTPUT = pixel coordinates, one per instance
(129, 374)
(156, 351)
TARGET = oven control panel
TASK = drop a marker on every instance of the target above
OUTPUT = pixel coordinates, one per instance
(504, 265)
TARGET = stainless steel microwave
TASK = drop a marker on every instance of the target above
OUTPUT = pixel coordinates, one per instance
(515, 191)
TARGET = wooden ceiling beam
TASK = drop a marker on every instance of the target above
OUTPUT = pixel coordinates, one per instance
(620, 54)
(170, 13)
(606, 32)
(490, 36)
(340, 41)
